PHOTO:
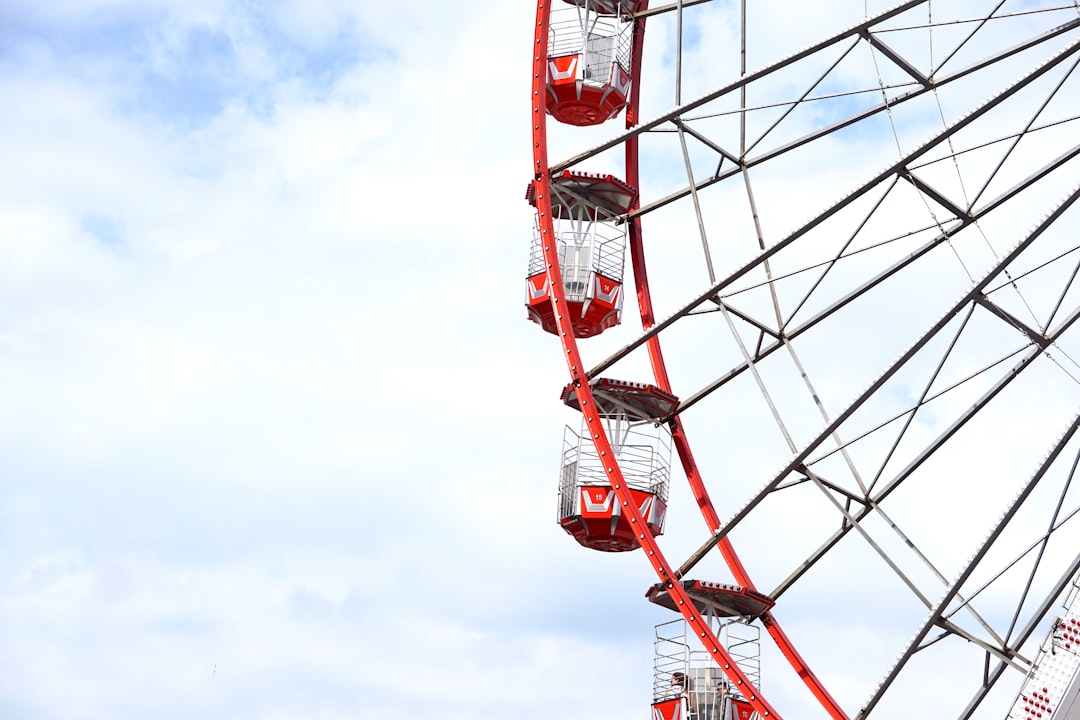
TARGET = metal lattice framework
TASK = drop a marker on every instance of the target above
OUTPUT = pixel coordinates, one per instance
(884, 393)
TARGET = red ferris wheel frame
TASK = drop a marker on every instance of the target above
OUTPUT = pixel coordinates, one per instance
(579, 381)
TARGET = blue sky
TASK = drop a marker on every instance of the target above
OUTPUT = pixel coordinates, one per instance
(278, 441)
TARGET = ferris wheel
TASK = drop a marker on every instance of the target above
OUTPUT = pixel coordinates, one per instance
(851, 245)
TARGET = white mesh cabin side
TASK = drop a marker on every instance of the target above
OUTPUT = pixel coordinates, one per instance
(675, 651)
(643, 450)
(591, 248)
(588, 509)
(588, 246)
(1052, 689)
(671, 654)
(589, 48)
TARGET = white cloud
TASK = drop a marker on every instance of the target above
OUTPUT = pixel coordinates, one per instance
(278, 440)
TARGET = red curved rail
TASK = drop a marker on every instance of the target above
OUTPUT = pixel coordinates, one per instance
(682, 445)
(579, 381)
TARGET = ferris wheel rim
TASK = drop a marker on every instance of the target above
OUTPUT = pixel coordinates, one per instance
(541, 192)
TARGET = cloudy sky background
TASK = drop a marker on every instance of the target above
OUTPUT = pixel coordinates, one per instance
(277, 439)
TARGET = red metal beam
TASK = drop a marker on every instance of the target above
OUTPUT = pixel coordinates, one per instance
(578, 378)
(682, 445)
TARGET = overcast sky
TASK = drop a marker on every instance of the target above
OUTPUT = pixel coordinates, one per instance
(276, 439)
